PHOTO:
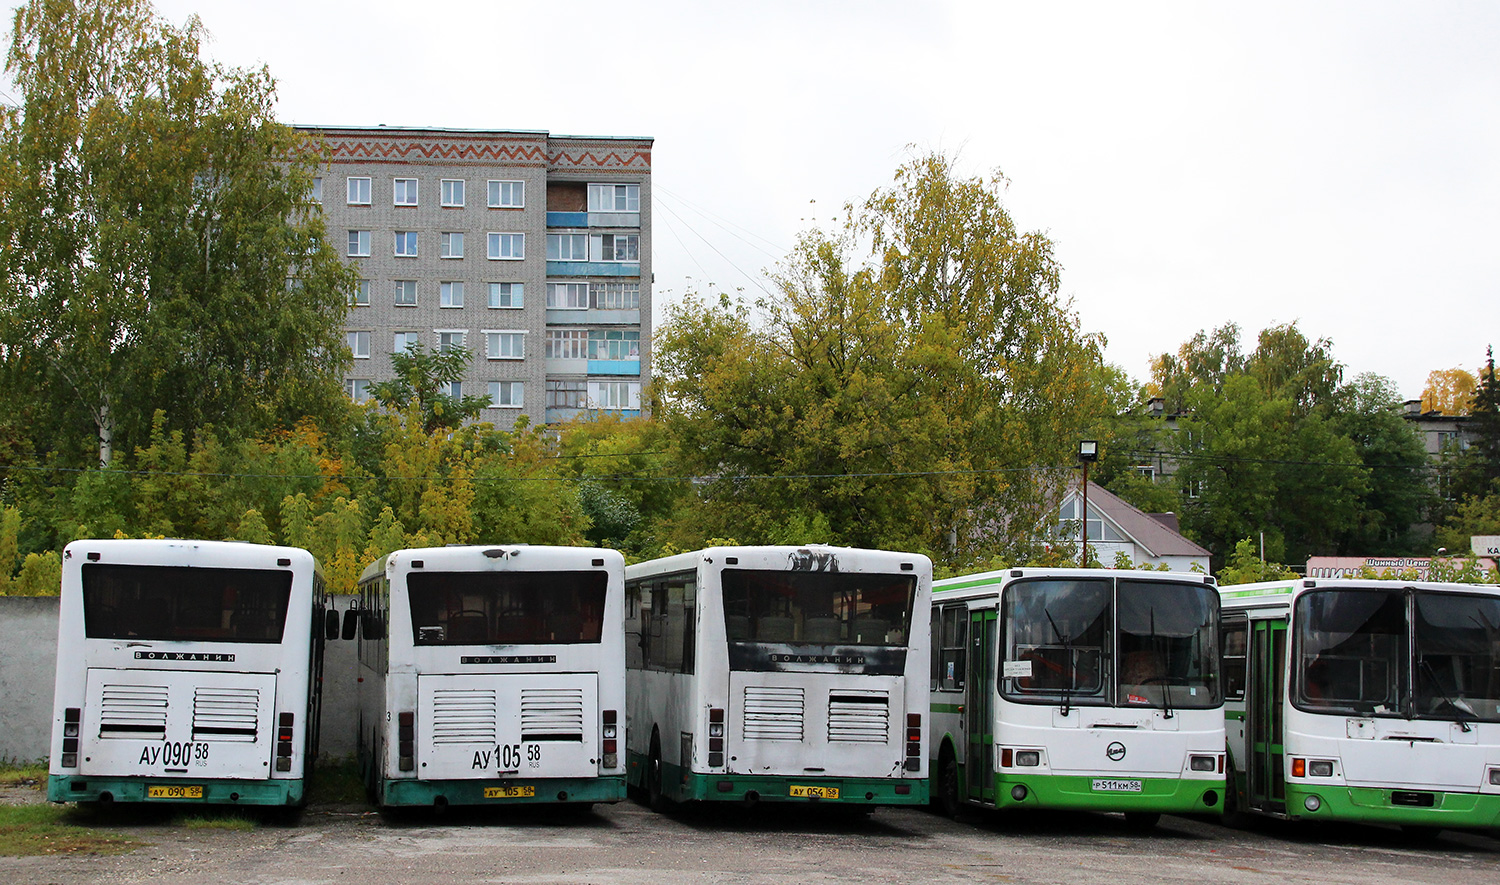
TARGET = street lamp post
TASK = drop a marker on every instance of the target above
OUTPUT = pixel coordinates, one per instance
(1088, 451)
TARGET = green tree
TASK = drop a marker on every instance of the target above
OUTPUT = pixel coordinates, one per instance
(423, 382)
(1368, 412)
(1244, 566)
(159, 247)
(900, 399)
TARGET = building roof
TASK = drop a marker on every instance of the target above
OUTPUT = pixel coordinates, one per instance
(1145, 529)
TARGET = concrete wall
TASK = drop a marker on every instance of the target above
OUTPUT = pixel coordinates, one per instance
(28, 655)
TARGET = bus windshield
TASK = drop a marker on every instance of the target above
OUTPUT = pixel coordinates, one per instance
(1169, 645)
(1065, 637)
(506, 608)
(184, 604)
(817, 608)
(1352, 651)
(1457, 655)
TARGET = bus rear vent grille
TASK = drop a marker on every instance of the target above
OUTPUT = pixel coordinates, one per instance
(773, 713)
(552, 714)
(225, 714)
(463, 716)
(133, 711)
(859, 716)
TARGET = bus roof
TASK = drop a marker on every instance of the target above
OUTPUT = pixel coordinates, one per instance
(494, 557)
(997, 578)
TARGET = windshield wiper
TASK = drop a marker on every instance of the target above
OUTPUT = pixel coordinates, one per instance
(1067, 693)
(1166, 686)
(1463, 723)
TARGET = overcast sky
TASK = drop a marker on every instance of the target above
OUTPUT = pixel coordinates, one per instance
(1333, 164)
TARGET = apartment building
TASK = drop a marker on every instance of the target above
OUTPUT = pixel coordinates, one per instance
(530, 250)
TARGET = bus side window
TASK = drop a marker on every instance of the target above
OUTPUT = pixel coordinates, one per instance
(1233, 634)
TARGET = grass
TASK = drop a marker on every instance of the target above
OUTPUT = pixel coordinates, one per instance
(336, 781)
(33, 775)
(27, 830)
(218, 819)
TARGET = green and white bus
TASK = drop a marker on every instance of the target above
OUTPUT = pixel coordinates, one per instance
(1077, 689)
(779, 674)
(492, 675)
(187, 671)
(1364, 700)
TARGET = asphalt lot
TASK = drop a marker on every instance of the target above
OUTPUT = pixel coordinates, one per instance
(626, 843)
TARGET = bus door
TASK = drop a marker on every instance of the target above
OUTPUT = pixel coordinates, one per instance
(1264, 703)
(979, 707)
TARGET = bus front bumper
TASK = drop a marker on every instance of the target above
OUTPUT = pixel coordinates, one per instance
(1408, 807)
(1063, 792)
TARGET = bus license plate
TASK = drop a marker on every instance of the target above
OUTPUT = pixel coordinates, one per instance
(174, 792)
(815, 792)
(509, 792)
(1105, 785)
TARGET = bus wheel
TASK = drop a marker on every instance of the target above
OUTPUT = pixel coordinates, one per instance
(654, 797)
(1233, 817)
(1141, 820)
(947, 786)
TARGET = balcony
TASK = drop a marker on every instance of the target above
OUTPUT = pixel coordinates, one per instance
(593, 268)
(593, 219)
(613, 367)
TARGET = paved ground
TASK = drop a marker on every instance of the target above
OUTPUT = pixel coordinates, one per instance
(626, 844)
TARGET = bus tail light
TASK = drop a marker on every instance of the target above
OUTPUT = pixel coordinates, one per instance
(71, 718)
(1299, 768)
(913, 741)
(284, 723)
(610, 733)
(716, 737)
(406, 737)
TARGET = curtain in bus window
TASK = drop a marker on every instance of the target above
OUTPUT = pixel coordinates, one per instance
(506, 608)
(1168, 644)
(183, 604)
(1057, 637)
(817, 608)
(1457, 656)
(1351, 651)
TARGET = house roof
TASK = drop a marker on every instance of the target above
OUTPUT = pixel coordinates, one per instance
(1145, 529)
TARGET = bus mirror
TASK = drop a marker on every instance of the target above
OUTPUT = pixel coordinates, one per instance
(351, 623)
(331, 624)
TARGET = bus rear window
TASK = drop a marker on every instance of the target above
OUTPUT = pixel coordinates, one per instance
(817, 608)
(182, 604)
(506, 608)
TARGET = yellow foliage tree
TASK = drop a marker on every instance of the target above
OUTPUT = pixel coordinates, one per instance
(1450, 391)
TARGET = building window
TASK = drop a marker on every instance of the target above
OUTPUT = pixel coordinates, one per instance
(359, 244)
(405, 342)
(566, 344)
(504, 345)
(507, 247)
(450, 245)
(507, 194)
(614, 394)
(359, 345)
(359, 191)
(567, 394)
(454, 389)
(614, 345)
(360, 297)
(507, 394)
(450, 339)
(567, 247)
(451, 294)
(405, 191)
(616, 247)
(453, 192)
(614, 198)
(317, 189)
(406, 293)
(357, 389)
(506, 295)
(568, 296)
(615, 296)
(406, 244)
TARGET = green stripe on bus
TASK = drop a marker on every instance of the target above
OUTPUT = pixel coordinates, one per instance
(947, 708)
(965, 585)
(1274, 591)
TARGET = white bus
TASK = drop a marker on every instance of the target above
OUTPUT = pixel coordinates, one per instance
(492, 675)
(186, 671)
(1078, 689)
(778, 674)
(1364, 700)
